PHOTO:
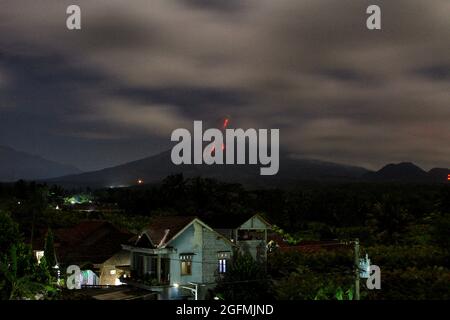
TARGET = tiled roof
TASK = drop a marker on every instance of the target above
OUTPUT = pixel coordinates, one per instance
(93, 241)
(162, 229)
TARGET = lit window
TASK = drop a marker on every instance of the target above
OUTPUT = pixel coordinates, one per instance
(186, 265)
(222, 265)
(223, 257)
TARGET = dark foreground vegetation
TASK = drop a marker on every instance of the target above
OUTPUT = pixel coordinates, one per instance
(404, 228)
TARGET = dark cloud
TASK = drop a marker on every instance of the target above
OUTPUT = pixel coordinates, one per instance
(200, 103)
(113, 31)
(436, 72)
(139, 69)
(227, 6)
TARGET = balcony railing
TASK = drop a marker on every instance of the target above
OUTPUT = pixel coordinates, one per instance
(147, 280)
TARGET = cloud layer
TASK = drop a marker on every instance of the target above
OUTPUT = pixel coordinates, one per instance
(137, 70)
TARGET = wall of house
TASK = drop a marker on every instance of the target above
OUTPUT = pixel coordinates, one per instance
(109, 274)
(256, 248)
(212, 245)
(253, 223)
(227, 233)
(190, 241)
(205, 244)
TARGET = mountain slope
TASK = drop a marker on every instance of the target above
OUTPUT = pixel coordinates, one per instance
(439, 174)
(155, 168)
(15, 165)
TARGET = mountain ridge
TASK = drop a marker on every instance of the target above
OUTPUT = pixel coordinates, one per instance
(407, 172)
(292, 170)
(16, 165)
(153, 169)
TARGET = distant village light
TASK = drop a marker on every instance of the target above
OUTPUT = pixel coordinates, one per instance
(140, 181)
(448, 177)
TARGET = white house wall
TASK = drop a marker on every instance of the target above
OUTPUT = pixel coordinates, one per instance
(122, 258)
(190, 241)
(212, 245)
(254, 223)
(205, 244)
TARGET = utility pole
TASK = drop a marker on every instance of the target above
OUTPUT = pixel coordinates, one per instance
(357, 269)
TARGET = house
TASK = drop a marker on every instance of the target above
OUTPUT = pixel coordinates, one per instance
(176, 253)
(94, 246)
(249, 233)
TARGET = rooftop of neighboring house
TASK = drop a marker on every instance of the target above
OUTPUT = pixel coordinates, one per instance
(90, 241)
(162, 229)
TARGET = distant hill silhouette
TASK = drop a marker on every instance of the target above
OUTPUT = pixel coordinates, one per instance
(407, 172)
(15, 165)
(439, 174)
(155, 168)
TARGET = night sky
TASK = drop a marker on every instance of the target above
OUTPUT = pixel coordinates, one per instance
(114, 91)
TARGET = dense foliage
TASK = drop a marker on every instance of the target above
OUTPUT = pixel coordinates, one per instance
(245, 279)
(405, 228)
(21, 277)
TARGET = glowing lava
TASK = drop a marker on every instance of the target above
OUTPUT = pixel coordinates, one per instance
(225, 123)
(224, 126)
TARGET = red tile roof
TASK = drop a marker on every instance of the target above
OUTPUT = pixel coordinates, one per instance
(90, 241)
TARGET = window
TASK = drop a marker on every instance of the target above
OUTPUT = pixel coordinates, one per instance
(222, 265)
(186, 268)
(186, 264)
(223, 257)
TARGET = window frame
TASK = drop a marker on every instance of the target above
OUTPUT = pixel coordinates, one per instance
(222, 265)
(186, 264)
(222, 261)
